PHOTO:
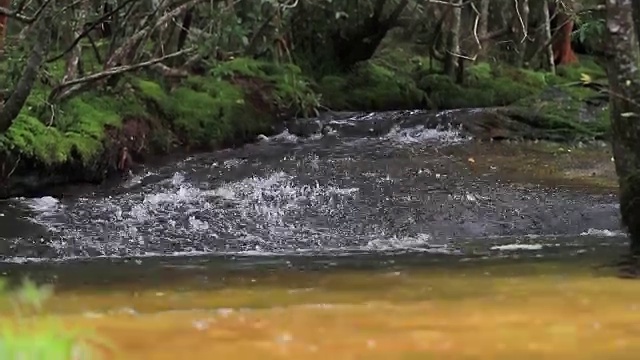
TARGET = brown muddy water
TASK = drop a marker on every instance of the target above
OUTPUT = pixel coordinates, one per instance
(416, 244)
(479, 308)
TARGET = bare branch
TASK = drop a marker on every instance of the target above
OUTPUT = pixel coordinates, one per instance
(17, 14)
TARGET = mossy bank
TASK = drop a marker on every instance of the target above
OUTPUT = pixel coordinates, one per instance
(100, 134)
(103, 133)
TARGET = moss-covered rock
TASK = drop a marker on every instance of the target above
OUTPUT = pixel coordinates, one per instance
(485, 85)
(575, 110)
(373, 87)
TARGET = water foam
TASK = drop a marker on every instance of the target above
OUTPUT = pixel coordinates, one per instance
(259, 213)
(402, 136)
(603, 233)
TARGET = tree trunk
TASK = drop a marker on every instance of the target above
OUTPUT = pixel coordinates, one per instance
(184, 30)
(562, 51)
(483, 28)
(453, 41)
(546, 36)
(73, 60)
(361, 44)
(14, 104)
(624, 82)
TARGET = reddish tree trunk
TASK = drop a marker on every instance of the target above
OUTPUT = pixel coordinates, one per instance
(3, 23)
(562, 51)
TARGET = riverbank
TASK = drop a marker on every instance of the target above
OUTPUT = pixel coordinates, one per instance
(104, 134)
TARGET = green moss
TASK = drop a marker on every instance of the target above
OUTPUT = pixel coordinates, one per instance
(372, 87)
(200, 116)
(240, 97)
(445, 94)
(288, 87)
(504, 85)
(76, 126)
(332, 88)
(30, 137)
(83, 122)
(480, 72)
(485, 85)
(151, 90)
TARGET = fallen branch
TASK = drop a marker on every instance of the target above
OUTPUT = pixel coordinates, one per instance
(76, 84)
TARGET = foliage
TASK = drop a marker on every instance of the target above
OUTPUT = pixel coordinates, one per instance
(42, 337)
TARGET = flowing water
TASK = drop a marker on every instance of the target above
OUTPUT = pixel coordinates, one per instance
(391, 245)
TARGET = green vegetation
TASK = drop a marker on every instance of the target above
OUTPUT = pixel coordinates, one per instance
(239, 98)
(23, 337)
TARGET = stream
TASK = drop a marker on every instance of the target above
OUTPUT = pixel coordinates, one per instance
(323, 219)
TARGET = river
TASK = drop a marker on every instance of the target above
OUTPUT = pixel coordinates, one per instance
(402, 215)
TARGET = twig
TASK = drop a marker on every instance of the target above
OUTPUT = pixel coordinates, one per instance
(15, 166)
(525, 35)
